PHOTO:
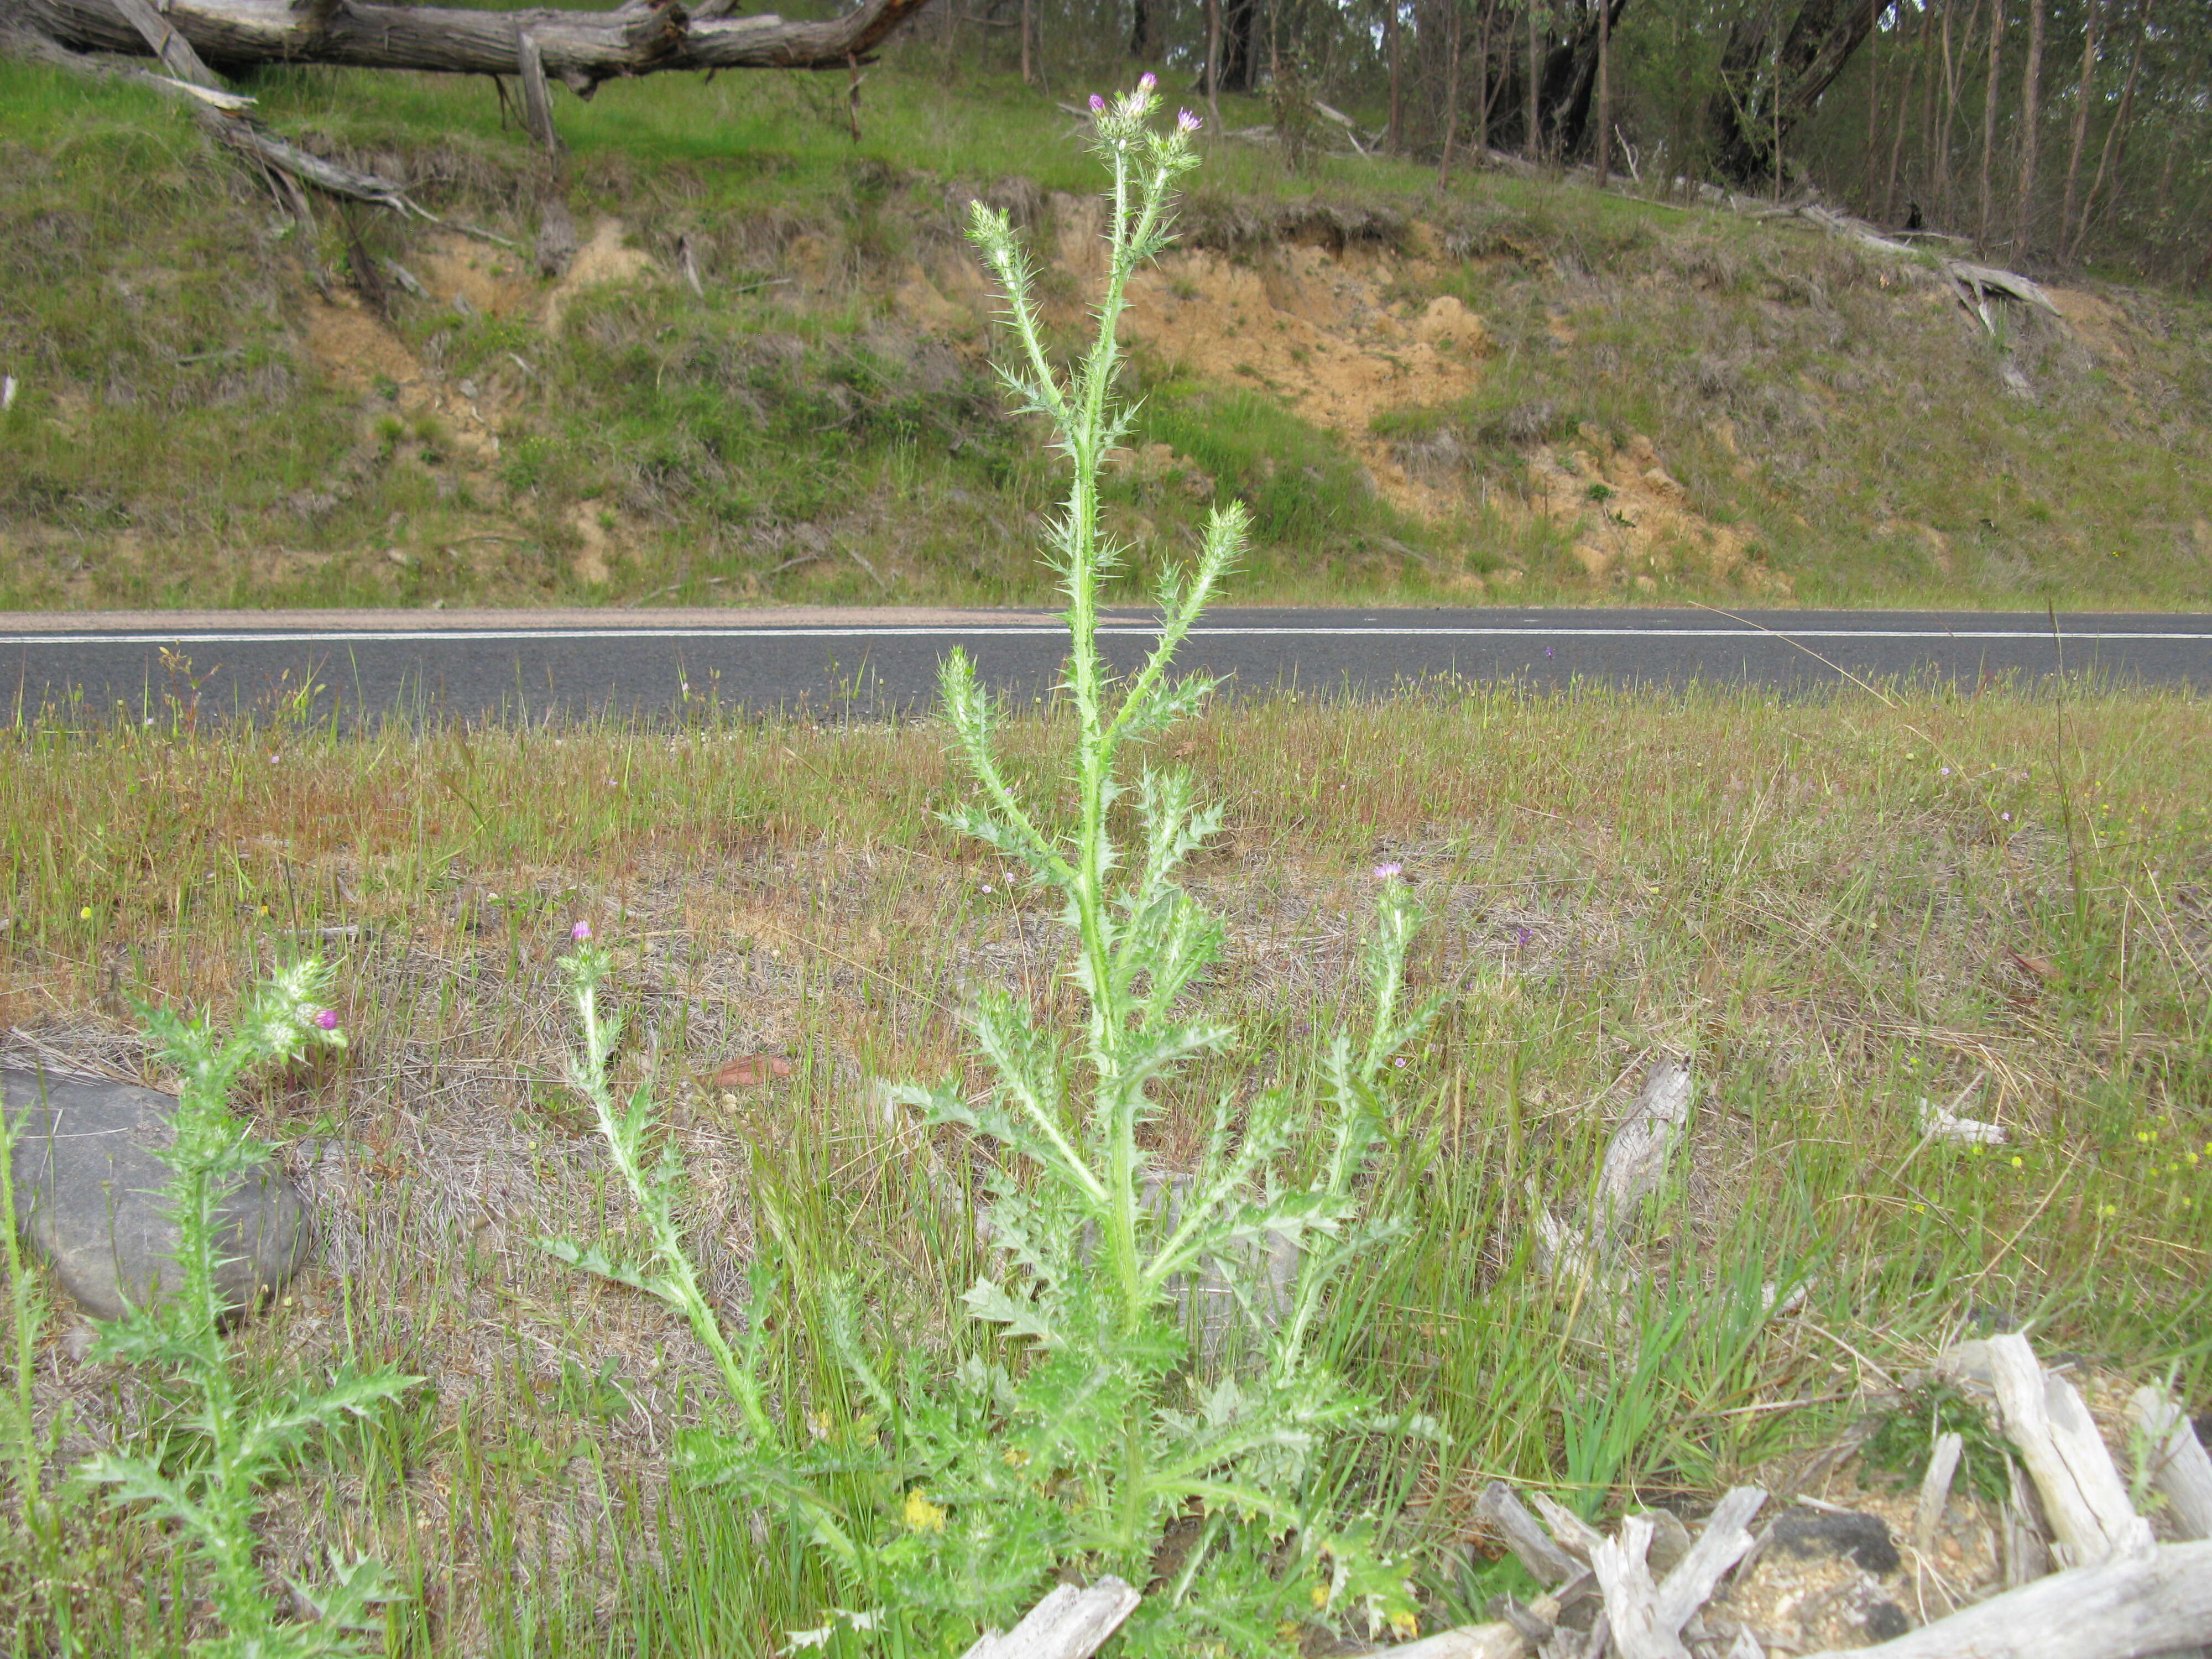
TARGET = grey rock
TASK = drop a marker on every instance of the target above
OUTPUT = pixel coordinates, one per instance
(1886, 1621)
(1846, 1534)
(89, 1187)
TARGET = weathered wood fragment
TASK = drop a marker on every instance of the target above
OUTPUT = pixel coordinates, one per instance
(1070, 1623)
(1635, 1159)
(2179, 1468)
(1721, 1544)
(2026, 1541)
(537, 96)
(1547, 1564)
(1569, 1530)
(1632, 1600)
(1936, 1490)
(2133, 1606)
(1495, 1641)
(2086, 1501)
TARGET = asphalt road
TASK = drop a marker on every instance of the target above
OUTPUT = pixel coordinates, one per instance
(530, 665)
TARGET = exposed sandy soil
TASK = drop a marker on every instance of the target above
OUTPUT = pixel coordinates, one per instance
(1342, 336)
(1631, 518)
(603, 259)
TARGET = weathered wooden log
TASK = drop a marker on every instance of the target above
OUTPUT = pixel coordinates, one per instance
(1723, 1542)
(2179, 1468)
(1070, 1623)
(2086, 1501)
(1497, 1641)
(581, 48)
(2150, 1603)
(1573, 1534)
(1635, 1159)
(1509, 1517)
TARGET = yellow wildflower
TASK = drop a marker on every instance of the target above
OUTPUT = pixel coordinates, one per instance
(922, 1516)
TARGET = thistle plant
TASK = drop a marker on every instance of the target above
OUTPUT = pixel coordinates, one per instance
(26, 1305)
(1084, 1428)
(208, 1479)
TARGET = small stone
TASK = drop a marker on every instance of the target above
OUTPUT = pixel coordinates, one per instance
(1863, 1538)
(88, 1197)
(749, 1070)
(1886, 1621)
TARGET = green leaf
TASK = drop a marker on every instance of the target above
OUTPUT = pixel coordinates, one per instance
(594, 1260)
(990, 1302)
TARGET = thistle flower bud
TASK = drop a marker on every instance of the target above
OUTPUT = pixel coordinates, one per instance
(1097, 105)
(1147, 81)
(581, 931)
(326, 1019)
(1186, 122)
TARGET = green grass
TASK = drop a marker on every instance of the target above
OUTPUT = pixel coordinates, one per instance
(177, 441)
(1796, 892)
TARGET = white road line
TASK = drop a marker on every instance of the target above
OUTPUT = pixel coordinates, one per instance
(478, 636)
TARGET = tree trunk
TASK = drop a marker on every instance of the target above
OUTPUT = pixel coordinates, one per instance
(1451, 99)
(1873, 208)
(1140, 29)
(1390, 24)
(1952, 67)
(1482, 81)
(2030, 91)
(2090, 30)
(580, 49)
(1604, 92)
(1818, 44)
(1532, 131)
(1240, 58)
(1990, 119)
(1929, 64)
(1213, 63)
(1915, 64)
(2110, 161)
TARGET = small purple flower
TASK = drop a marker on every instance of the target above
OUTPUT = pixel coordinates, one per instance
(1186, 122)
(1389, 871)
(1942, 771)
(581, 931)
(326, 1019)
(1547, 650)
(1147, 81)
(2007, 817)
(1400, 1061)
(1097, 105)
(1522, 936)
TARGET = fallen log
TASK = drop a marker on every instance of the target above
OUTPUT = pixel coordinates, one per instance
(2134, 1606)
(1070, 1623)
(580, 49)
(2179, 1469)
(2091, 1515)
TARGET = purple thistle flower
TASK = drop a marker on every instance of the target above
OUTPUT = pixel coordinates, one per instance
(1389, 871)
(325, 1018)
(1187, 122)
(1147, 81)
(581, 931)
(1097, 105)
